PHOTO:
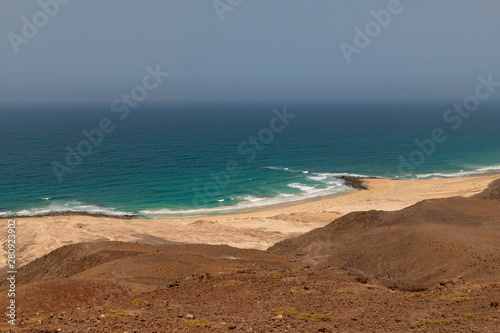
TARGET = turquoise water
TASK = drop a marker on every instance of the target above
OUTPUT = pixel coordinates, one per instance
(167, 160)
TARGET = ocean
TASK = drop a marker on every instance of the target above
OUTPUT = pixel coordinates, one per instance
(165, 160)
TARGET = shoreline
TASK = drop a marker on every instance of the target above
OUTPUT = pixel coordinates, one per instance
(235, 211)
(262, 209)
(355, 184)
(261, 229)
(377, 197)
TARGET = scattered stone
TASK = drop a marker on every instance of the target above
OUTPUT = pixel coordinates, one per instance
(445, 282)
(354, 182)
(362, 280)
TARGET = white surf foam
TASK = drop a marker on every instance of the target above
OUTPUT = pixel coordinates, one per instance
(253, 199)
(65, 208)
(286, 195)
(460, 173)
(308, 189)
(252, 202)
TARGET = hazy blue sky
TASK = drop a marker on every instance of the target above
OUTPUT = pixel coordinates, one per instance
(279, 49)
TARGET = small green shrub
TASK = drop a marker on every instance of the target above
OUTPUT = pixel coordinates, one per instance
(315, 317)
(426, 322)
(137, 301)
(347, 290)
(198, 323)
(298, 291)
(458, 297)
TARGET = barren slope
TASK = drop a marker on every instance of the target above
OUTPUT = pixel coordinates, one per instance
(419, 246)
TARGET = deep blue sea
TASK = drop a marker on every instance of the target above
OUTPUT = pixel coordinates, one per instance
(193, 159)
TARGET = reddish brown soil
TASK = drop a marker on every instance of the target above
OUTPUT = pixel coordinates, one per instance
(419, 246)
(491, 193)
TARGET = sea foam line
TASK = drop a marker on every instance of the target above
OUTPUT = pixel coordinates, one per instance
(251, 202)
(459, 174)
(66, 208)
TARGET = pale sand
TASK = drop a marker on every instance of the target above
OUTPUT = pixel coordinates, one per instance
(259, 230)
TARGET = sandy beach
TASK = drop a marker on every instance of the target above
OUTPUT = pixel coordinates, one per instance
(258, 230)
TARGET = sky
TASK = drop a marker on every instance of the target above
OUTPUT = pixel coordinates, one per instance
(94, 50)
